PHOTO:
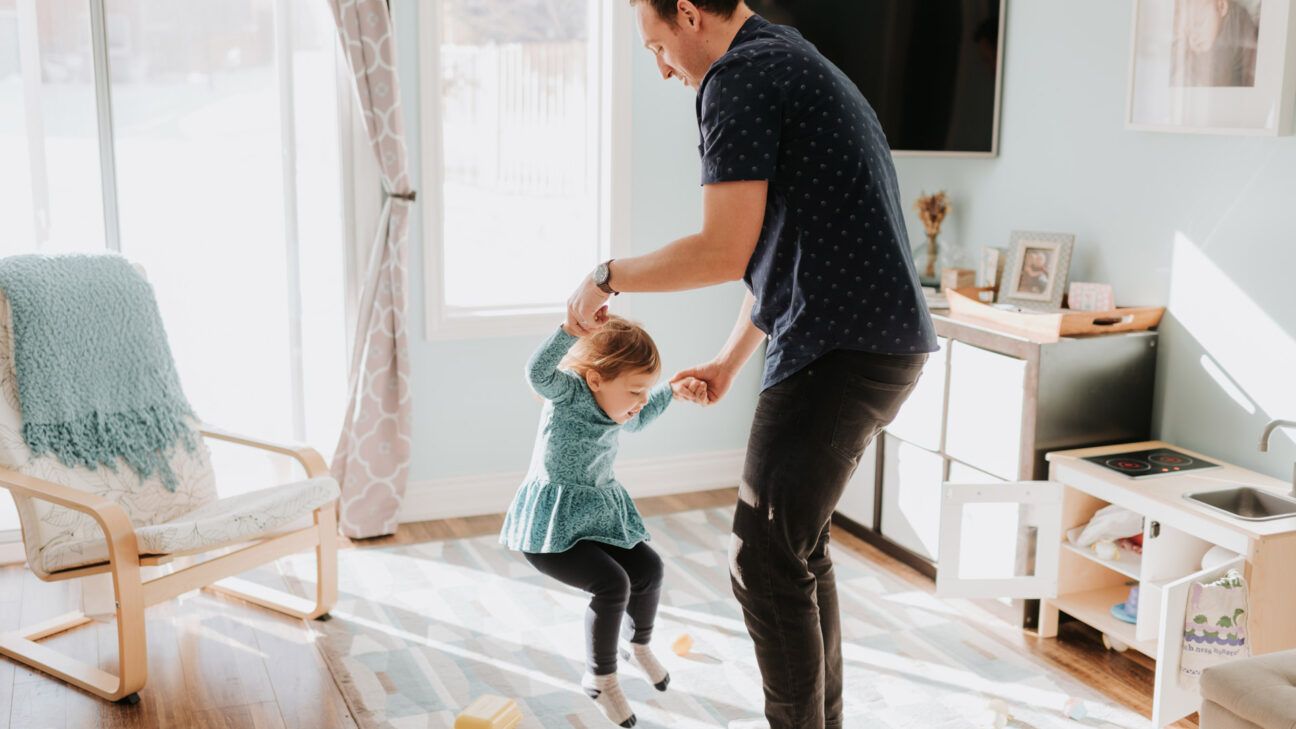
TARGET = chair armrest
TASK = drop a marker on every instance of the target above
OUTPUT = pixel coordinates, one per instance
(310, 458)
(112, 518)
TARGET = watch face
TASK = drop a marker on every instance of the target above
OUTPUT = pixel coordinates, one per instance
(601, 274)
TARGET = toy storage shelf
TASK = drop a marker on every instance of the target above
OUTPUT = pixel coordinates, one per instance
(1093, 607)
(1128, 562)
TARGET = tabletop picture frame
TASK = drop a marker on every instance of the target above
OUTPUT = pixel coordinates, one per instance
(1039, 265)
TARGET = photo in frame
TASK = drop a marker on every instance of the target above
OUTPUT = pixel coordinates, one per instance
(1038, 267)
(1213, 66)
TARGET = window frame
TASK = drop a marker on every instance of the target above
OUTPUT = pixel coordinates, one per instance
(612, 70)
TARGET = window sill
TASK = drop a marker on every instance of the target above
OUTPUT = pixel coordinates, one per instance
(497, 323)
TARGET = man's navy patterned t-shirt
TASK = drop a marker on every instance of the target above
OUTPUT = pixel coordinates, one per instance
(832, 269)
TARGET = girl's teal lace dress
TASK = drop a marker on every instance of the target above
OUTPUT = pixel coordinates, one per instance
(570, 492)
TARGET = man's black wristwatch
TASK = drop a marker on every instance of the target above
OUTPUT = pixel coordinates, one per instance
(603, 278)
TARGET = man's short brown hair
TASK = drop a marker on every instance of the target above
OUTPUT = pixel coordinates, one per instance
(666, 8)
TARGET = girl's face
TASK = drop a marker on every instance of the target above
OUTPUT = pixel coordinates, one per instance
(623, 397)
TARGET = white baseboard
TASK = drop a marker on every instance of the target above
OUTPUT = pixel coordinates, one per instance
(446, 498)
(11, 548)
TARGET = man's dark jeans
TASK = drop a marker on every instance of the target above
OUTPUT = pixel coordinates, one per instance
(806, 440)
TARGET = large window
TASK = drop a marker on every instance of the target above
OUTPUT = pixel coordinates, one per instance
(201, 140)
(50, 195)
(523, 114)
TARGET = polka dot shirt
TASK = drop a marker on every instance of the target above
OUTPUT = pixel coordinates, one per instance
(832, 269)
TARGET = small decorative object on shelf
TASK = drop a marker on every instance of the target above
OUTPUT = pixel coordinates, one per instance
(1106, 549)
(957, 278)
(992, 267)
(1127, 612)
(1037, 270)
(932, 210)
(1091, 297)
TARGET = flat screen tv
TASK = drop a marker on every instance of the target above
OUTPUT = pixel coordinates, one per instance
(930, 68)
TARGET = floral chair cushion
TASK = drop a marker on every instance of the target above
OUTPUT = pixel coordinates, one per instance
(234, 519)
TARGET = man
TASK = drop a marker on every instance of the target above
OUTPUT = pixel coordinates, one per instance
(800, 201)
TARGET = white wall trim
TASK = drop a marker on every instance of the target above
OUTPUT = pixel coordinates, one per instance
(11, 547)
(491, 493)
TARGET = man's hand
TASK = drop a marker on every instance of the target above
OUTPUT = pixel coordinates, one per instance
(715, 376)
(691, 389)
(587, 308)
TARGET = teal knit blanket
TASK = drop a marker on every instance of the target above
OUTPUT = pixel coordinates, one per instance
(96, 381)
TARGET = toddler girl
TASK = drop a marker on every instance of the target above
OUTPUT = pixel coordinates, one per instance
(571, 519)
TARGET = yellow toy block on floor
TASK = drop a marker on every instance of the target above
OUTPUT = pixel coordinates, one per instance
(490, 712)
(682, 645)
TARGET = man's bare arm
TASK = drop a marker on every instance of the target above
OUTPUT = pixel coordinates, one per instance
(732, 214)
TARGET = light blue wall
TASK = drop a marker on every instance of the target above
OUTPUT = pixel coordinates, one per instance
(1067, 164)
(473, 412)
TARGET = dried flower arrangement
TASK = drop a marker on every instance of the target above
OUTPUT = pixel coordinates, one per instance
(932, 210)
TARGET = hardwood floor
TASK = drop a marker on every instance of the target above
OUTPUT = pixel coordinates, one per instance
(219, 663)
(1125, 678)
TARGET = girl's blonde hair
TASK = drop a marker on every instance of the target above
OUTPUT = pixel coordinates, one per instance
(620, 347)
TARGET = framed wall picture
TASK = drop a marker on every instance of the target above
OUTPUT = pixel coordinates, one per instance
(1213, 66)
(1037, 270)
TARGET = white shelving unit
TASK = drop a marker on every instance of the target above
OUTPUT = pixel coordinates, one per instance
(989, 406)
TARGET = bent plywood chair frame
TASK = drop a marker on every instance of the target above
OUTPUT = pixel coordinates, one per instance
(133, 594)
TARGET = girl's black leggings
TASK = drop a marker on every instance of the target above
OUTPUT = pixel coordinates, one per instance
(620, 581)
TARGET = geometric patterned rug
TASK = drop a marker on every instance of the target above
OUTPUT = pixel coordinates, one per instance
(420, 630)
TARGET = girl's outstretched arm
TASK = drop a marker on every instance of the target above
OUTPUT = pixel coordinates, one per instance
(657, 401)
(542, 371)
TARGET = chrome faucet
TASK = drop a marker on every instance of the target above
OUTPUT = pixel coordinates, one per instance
(1264, 443)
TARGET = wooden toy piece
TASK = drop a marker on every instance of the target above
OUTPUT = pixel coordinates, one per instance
(683, 644)
(489, 712)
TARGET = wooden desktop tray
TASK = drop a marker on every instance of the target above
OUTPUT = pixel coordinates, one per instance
(1047, 327)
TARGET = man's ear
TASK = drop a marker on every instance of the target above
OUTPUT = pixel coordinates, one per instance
(594, 380)
(688, 15)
